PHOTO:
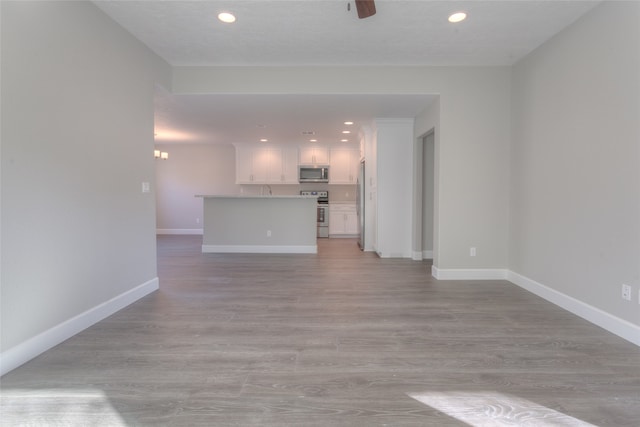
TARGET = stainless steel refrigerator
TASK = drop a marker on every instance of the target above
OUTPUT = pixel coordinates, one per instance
(360, 198)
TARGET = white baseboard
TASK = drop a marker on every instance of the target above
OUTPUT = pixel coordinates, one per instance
(27, 350)
(469, 273)
(420, 255)
(611, 323)
(179, 231)
(607, 321)
(260, 249)
(395, 254)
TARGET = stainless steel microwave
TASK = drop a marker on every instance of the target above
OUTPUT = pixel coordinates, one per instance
(313, 173)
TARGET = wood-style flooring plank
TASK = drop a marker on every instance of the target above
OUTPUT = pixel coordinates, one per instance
(341, 338)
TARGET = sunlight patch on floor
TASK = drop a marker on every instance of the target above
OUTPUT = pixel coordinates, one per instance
(495, 409)
(58, 407)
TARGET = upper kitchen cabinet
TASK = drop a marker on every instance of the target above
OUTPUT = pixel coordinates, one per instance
(314, 155)
(344, 165)
(265, 165)
(251, 164)
(289, 165)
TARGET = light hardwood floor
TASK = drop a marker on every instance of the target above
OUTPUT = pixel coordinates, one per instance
(341, 338)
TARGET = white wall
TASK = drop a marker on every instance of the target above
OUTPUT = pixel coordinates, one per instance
(472, 149)
(191, 169)
(575, 161)
(473, 172)
(394, 167)
(77, 143)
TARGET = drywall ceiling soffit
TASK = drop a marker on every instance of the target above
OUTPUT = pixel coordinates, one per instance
(323, 32)
(224, 119)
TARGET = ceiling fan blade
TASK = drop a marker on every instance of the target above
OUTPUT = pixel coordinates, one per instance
(366, 8)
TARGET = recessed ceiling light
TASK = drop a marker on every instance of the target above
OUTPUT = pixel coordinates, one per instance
(344, 140)
(264, 140)
(226, 17)
(348, 123)
(457, 17)
(313, 140)
(346, 131)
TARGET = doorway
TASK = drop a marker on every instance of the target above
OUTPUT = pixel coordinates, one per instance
(428, 168)
(426, 196)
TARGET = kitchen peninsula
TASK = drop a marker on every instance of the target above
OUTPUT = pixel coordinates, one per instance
(259, 224)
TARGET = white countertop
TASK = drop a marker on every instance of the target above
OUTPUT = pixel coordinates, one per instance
(251, 196)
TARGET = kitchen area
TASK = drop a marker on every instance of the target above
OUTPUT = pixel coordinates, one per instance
(255, 144)
(264, 195)
(327, 171)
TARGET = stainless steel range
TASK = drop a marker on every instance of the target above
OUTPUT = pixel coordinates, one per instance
(322, 212)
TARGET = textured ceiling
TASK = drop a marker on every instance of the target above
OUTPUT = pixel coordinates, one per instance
(323, 32)
(314, 32)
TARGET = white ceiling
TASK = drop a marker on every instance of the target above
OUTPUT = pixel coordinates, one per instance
(323, 32)
(278, 118)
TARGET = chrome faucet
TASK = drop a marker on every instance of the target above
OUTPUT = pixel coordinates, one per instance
(268, 188)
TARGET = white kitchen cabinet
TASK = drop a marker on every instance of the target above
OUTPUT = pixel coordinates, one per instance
(344, 165)
(266, 165)
(351, 222)
(289, 165)
(244, 165)
(343, 220)
(251, 165)
(314, 155)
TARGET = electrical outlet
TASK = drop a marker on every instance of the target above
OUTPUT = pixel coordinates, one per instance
(626, 292)
(197, 220)
(472, 251)
(268, 233)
